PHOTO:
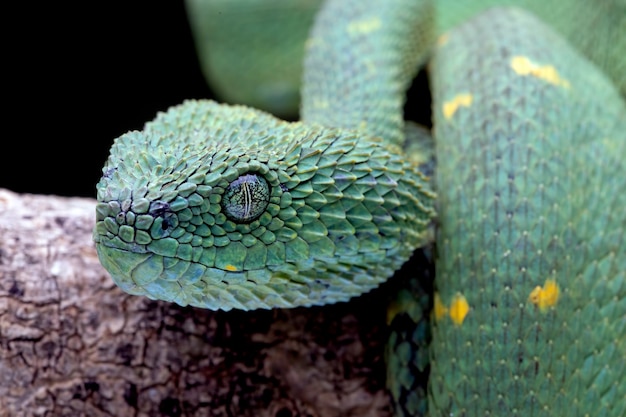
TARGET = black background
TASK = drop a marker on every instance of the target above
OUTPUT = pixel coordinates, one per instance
(82, 74)
(79, 74)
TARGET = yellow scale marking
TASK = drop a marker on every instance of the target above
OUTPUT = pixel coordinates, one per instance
(363, 26)
(321, 104)
(443, 39)
(524, 66)
(460, 100)
(439, 309)
(231, 268)
(459, 308)
(546, 296)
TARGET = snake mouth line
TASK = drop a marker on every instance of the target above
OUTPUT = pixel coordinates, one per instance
(191, 283)
(135, 257)
(132, 247)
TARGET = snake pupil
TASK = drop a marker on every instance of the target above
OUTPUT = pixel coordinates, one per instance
(246, 198)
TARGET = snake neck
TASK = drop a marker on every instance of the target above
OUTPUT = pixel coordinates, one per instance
(359, 61)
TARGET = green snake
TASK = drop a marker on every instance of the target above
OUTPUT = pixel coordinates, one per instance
(224, 206)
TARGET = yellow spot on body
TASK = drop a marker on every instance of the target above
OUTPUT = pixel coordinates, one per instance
(524, 66)
(443, 39)
(439, 309)
(450, 107)
(459, 309)
(320, 104)
(546, 296)
(363, 26)
(312, 43)
(231, 268)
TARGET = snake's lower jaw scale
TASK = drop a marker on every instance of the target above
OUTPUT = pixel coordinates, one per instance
(191, 283)
(196, 285)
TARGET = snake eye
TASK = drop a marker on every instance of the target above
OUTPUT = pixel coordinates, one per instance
(246, 198)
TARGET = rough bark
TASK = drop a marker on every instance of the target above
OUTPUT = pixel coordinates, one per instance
(73, 344)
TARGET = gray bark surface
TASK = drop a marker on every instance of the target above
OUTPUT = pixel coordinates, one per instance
(73, 344)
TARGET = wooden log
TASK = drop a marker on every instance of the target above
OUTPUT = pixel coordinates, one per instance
(73, 344)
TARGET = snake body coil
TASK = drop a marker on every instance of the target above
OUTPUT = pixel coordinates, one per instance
(226, 207)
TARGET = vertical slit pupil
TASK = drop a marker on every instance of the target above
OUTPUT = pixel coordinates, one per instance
(246, 198)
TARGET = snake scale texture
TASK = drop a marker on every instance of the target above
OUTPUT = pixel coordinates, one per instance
(223, 206)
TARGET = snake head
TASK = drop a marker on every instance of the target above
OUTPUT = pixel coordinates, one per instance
(226, 207)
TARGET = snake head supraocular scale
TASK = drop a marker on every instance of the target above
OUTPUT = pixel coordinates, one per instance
(224, 207)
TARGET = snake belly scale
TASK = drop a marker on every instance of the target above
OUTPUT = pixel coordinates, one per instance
(220, 206)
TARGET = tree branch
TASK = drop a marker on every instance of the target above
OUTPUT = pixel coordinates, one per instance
(71, 343)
